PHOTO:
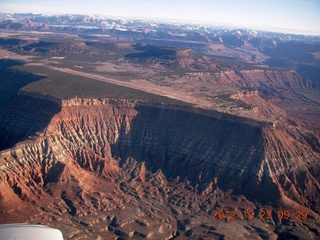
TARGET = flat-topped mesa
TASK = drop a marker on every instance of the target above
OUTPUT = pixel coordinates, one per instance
(96, 101)
(76, 101)
(93, 148)
(128, 103)
(261, 79)
(132, 103)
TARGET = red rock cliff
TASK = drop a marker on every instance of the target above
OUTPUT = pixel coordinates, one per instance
(107, 155)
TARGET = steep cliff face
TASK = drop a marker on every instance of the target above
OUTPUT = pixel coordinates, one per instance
(263, 80)
(23, 117)
(105, 162)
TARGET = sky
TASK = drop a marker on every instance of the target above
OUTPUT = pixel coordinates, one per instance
(297, 16)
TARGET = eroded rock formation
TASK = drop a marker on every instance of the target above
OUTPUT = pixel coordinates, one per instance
(119, 168)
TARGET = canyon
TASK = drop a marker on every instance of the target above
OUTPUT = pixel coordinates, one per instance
(158, 132)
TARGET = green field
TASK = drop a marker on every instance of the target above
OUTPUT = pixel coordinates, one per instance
(67, 86)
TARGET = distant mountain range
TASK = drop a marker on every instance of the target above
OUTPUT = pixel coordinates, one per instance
(280, 50)
(136, 28)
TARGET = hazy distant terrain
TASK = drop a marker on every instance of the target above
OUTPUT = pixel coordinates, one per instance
(128, 129)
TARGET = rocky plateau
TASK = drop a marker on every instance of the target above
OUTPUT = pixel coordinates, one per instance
(116, 129)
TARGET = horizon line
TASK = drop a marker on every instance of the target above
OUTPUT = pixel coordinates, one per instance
(271, 29)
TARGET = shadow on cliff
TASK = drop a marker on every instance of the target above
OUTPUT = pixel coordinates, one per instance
(208, 152)
(11, 80)
(20, 116)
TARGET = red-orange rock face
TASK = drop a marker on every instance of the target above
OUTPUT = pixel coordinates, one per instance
(128, 169)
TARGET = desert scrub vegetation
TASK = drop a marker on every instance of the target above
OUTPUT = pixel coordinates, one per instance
(239, 103)
(67, 86)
